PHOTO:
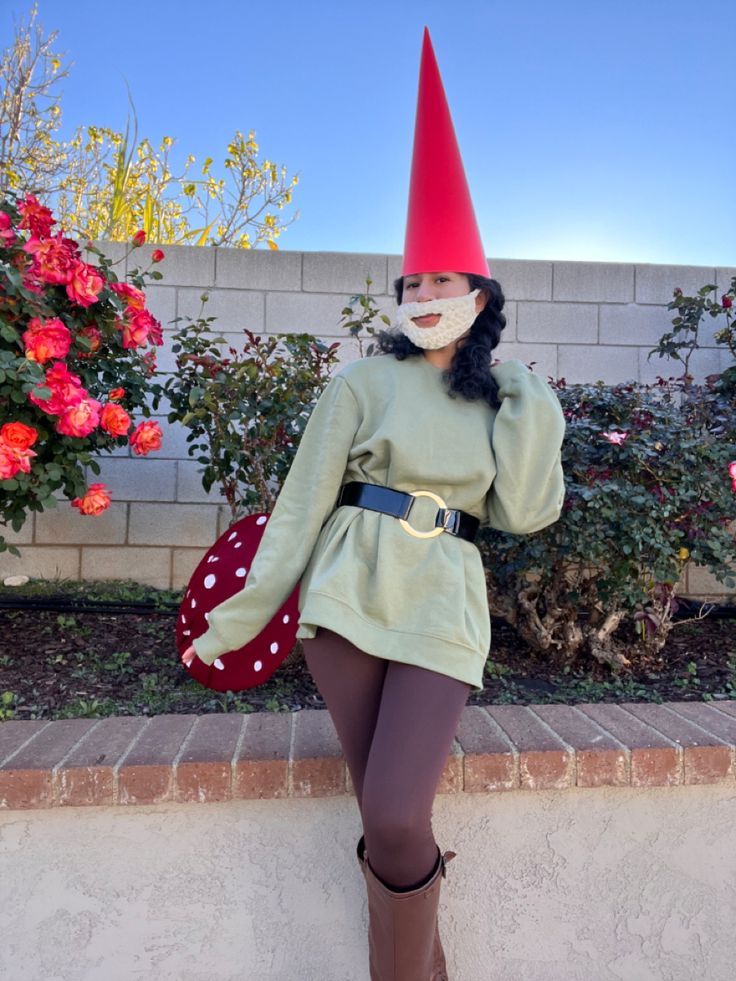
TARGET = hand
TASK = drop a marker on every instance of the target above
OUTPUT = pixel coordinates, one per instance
(188, 655)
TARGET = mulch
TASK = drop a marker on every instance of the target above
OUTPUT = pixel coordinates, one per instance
(92, 664)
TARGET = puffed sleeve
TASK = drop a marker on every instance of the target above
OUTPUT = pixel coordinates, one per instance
(528, 490)
(307, 498)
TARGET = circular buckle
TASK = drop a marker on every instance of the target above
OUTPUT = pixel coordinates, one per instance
(424, 534)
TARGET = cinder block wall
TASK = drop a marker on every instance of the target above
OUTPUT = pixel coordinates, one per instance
(583, 321)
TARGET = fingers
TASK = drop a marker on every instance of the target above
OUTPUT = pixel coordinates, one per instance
(188, 655)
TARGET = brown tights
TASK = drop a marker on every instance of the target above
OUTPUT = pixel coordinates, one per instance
(395, 723)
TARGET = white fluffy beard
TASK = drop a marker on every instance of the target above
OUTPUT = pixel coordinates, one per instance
(456, 313)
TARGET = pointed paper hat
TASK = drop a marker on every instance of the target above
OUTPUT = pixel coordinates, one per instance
(441, 230)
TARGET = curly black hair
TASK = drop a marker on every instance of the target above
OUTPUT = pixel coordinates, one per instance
(469, 374)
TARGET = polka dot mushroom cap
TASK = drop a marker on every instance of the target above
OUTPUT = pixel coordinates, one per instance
(222, 572)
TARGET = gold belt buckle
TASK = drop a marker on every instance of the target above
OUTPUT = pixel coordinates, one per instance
(424, 534)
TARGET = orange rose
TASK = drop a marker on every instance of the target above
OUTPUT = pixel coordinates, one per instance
(116, 393)
(84, 285)
(115, 420)
(146, 437)
(79, 419)
(95, 501)
(133, 297)
(18, 435)
(48, 340)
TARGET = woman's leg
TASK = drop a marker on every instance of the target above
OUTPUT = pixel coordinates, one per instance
(350, 682)
(395, 723)
(417, 721)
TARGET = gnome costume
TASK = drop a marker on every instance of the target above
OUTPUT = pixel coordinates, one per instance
(376, 519)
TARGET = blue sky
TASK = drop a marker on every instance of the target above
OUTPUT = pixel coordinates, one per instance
(589, 130)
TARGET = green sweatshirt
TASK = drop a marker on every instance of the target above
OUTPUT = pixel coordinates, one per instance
(419, 601)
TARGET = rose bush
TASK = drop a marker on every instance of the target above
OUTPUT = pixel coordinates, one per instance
(649, 488)
(246, 413)
(684, 339)
(77, 352)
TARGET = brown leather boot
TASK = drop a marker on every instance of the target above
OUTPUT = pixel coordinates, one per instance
(403, 935)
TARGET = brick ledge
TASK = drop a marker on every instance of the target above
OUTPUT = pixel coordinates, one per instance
(189, 758)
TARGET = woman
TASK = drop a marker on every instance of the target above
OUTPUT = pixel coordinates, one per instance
(403, 458)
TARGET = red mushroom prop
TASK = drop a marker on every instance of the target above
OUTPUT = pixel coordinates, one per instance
(222, 572)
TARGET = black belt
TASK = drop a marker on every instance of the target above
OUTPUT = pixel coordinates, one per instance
(399, 504)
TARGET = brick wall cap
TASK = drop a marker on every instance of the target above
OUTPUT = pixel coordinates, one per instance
(124, 760)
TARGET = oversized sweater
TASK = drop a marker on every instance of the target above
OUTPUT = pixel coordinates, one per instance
(395, 596)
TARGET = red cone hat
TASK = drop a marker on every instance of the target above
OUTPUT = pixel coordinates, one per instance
(441, 230)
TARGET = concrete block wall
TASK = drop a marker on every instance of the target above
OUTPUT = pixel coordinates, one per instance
(584, 321)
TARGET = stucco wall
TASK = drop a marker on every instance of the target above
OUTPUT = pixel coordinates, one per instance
(607, 884)
(578, 320)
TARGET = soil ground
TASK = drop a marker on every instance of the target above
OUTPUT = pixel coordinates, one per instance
(56, 665)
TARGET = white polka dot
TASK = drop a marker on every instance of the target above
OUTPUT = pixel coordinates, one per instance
(232, 535)
(274, 648)
(187, 632)
(188, 592)
(262, 520)
(285, 618)
(219, 665)
(183, 618)
(237, 545)
(258, 665)
(206, 616)
(209, 581)
(213, 558)
(194, 603)
(240, 572)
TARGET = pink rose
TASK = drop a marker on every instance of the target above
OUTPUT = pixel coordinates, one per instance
(80, 419)
(149, 359)
(146, 437)
(95, 501)
(85, 284)
(140, 328)
(6, 229)
(14, 460)
(726, 301)
(615, 437)
(66, 389)
(53, 258)
(144, 318)
(35, 216)
(44, 341)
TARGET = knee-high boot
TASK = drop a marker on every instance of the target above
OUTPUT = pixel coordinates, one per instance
(403, 933)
